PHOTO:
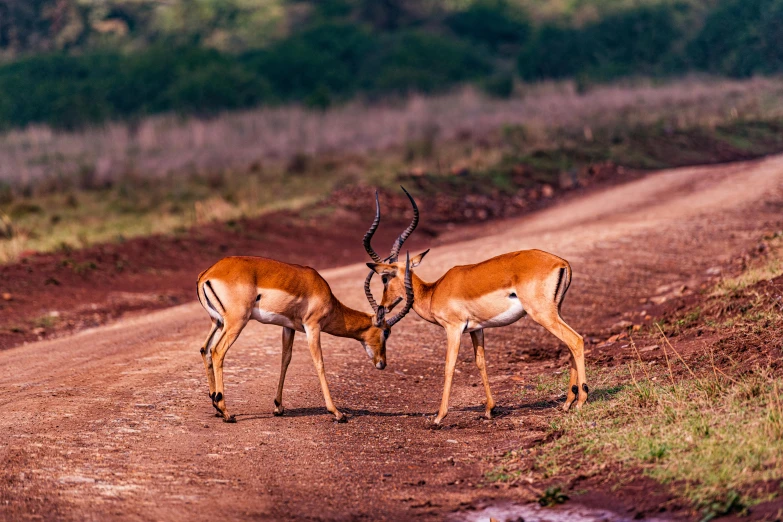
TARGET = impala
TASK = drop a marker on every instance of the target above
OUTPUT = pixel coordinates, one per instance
(490, 294)
(237, 289)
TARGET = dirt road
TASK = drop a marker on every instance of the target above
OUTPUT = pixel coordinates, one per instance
(115, 422)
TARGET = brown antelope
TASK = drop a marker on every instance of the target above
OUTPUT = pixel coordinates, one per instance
(490, 294)
(237, 289)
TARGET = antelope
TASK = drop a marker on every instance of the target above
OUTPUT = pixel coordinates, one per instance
(490, 294)
(237, 289)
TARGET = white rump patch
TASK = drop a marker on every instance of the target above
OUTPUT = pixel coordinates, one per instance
(213, 313)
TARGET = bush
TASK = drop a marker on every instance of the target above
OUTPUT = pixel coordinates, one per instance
(335, 56)
(741, 38)
(500, 85)
(214, 87)
(419, 61)
(492, 23)
(634, 41)
(556, 52)
(329, 56)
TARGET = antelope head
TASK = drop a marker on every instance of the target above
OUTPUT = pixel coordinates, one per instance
(396, 276)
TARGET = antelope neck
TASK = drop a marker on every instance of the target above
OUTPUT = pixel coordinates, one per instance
(347, 322)
(422, 297)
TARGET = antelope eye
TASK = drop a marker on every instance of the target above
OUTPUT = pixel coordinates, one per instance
(386, 334)
(385, 279)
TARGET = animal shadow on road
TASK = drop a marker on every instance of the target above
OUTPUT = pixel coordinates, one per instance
(598, 395)
(318, 412)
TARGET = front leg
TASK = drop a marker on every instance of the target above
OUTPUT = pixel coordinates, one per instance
(288, 344)
(478, 351)
(314, 341)
(453, 335)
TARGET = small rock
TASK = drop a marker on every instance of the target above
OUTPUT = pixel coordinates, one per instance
(547, 191)
(619, 326)
(7, 296)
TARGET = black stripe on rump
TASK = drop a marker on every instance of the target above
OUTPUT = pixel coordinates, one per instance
(209, 304)
(559, 282)
(209, 284)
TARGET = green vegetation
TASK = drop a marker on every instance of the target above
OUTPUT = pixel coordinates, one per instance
(123, 60)
(710, 434)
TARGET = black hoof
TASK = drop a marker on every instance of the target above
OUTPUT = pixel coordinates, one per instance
(230, 420)
(342, 419)
(278, 413)
(431, 424)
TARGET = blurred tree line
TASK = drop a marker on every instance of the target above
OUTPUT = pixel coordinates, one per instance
(73, 62)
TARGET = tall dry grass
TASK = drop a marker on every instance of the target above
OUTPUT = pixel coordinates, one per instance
(167, 144)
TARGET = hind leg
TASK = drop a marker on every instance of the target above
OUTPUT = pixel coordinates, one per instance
(478, 350)
(228, 335)
(577, 384)
(206, 356)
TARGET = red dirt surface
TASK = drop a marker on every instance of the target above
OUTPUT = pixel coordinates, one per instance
(51, 294)
(48, 295)
(115, 422)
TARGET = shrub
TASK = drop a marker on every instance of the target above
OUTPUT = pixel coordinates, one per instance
(492, 23)
(741, 38)
(415, 60)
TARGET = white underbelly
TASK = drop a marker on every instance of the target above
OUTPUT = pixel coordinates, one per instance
(263, 316)
(513, 313)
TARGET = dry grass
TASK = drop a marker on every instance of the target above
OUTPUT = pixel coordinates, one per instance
(713, 433)
(164, 174)
(164, 145)
(716, 439)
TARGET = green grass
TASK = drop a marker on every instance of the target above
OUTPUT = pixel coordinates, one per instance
(705, 435)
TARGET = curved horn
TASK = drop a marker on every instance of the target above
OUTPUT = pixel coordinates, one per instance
(368, 293)
(408, 293)
(395, 251)
(368, 236)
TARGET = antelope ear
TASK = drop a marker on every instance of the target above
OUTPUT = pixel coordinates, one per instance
(382, 268)
(416, 261)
